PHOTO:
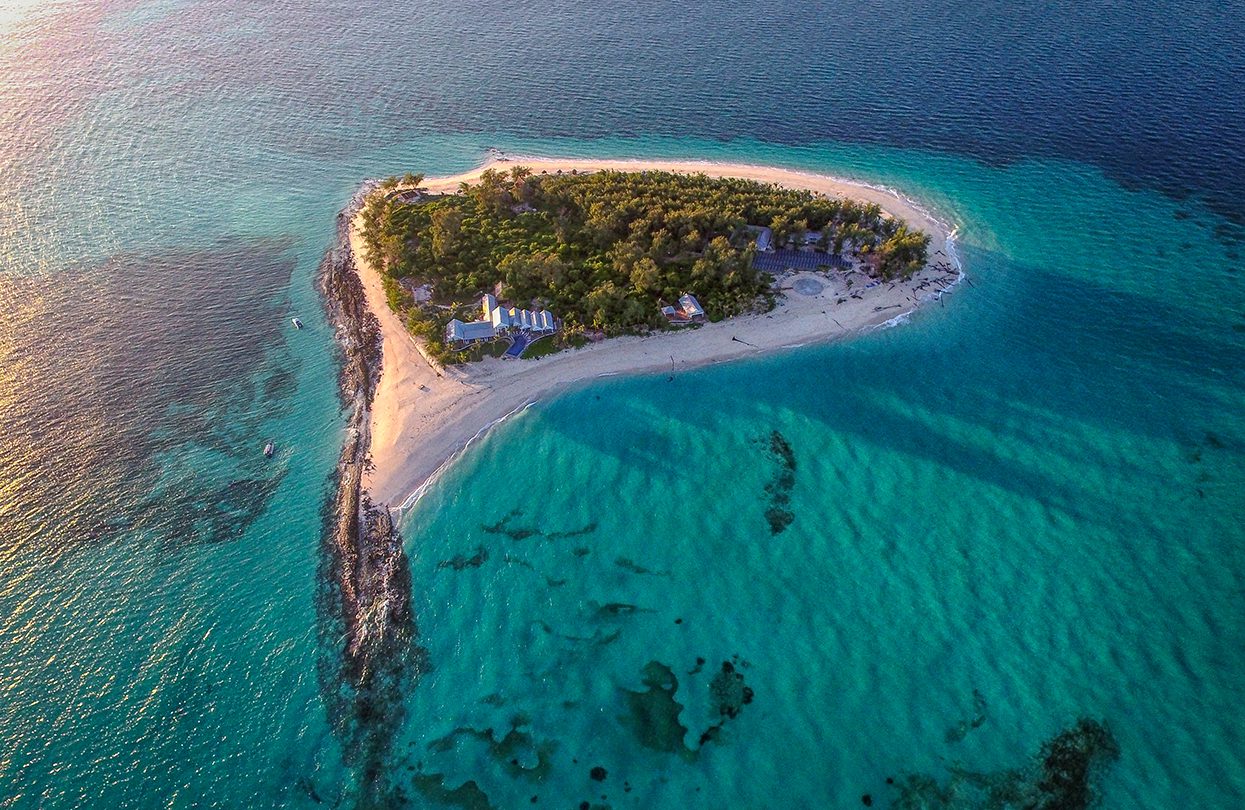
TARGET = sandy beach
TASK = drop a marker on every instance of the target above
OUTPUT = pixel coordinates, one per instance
(422, 416)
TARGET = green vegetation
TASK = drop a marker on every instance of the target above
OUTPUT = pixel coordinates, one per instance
(491, 348)
(543, 347)
(604, 250)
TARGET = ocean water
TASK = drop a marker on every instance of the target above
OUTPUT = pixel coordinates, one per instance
(1017, 509)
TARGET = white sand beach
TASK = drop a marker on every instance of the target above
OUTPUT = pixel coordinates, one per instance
(423, 416)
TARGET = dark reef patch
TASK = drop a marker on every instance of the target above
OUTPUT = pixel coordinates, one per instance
(778, 512)
(307, 787)
(280, 384)
(960, 730)
(468, 795)
(508, 527)
(730, 693)
(1071, 762)
(628, 564)
(1063, 776)
(586, 529)
(222, 513)
(597, 639)
(510, 752)
(503, 526)
(653, 714)
(109, 443)
(459, 561)
(615, 610)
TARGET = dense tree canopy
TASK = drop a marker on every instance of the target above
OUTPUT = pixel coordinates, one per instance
(602, 250)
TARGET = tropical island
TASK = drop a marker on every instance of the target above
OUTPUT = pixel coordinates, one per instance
(598, 268)
(610, 252)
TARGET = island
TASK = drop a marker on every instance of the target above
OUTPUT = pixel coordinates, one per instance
(496, 287)
(570, 270)
(612, 252)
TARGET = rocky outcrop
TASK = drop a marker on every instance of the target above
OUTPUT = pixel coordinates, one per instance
(368, 638)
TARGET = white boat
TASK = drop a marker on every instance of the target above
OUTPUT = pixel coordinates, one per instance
(269, 449)
(297, 323)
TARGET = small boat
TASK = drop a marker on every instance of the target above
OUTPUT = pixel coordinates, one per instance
(297, 323)
(269, 449)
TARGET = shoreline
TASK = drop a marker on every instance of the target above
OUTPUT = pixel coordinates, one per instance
(423, 417)
(363, 580)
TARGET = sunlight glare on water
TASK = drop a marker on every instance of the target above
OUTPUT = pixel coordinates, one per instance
(1019, 509)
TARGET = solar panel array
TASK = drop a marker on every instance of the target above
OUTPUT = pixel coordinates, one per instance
(779, 260)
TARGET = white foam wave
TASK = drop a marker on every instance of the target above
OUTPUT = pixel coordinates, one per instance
(422, 489)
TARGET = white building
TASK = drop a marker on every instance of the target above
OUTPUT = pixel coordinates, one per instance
(689, 310)
(690, 306)
(498, 320)
(458, 332)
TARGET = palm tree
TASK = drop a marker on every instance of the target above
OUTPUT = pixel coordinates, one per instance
(518, 181)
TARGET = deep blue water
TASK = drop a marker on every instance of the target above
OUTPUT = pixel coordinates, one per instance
(1027, 500)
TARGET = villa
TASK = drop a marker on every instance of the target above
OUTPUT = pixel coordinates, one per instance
(690, 306)
(499, 320)
(688, 310)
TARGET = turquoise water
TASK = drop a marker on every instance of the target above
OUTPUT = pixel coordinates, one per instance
(1031, 493)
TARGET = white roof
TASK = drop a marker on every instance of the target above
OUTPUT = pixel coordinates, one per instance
(500, 318)
(477, 330)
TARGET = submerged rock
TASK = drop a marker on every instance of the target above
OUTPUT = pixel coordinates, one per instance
(654, 713)
(779, 518)
(503, 527)
(1072, 760)
(459, 561)
(468, 795)
(506, 527)
(516, 752)
(630, 565)
(1061, 777)
(960, 730)
(611, 610)
(778, 514)
(729, 692)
